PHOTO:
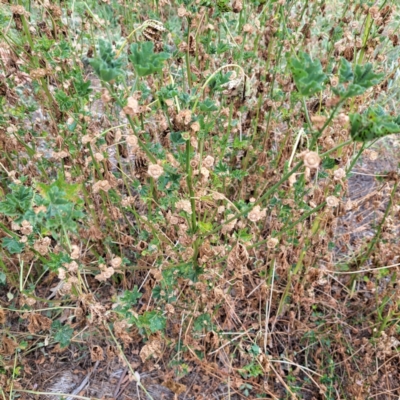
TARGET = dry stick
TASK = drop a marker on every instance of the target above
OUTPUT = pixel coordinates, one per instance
(84, 382)
(379, 230)
(134, 376)
(123, 373)
(58, 394)
(268, 307)
(360, 271)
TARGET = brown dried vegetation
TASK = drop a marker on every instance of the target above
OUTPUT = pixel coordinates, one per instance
(204, 230)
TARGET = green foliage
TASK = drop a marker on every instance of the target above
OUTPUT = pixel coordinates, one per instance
(207, 105)
(372, 124)
(252, 370)
(81, 86)
(12, 245)
(57, 260)
(128, 300)
(18, 201)
(224, 6)
(106, 66)
(64, 101)
(144, 60)
(202, 322)
(307, 74)
(176, 138)
(61, 213)
(150, 322)
(167, 92)
(357, 82)
(63, 333)
(218, 80)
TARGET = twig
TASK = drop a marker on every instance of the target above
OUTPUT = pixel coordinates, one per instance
(121, 378)
(84, 382)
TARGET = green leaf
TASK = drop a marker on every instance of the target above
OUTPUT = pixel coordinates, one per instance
(218, 81)
(202, 322)
(144, 60)
(224, 6)
(362, 79)
(205, 226)
(207, 105)
(307, 74)
(328, 163)
(64, 101)
(106, 66)
(130, 297)
(176, 138)
(12, 245)
(81, 86)
(57, 260)
(372, 124)
(3, 278)
(63, 334)
(153, 321)
(67, 191)
(365, 77)
(18, 201)
(345, 71)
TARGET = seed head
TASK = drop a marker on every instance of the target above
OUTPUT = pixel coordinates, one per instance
(311, 159)
(272, 243)
(155, 171)
(332, 201)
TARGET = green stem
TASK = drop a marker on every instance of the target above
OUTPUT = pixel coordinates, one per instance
(189, 180)
(318, 134)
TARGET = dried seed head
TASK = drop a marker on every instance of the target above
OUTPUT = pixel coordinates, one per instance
(99, 157)
(19, 10)
(339, 174)
(75, 252)
(311, 159)
(182, 12)
(334, 81)
(101, 185)
(343, 119)
(256, 214)
(318, 121)
(116, 262)
(195, 127)
(38, 73)
(42, 246)
(332, 201)
(105, 96)
(247, 28)
(26, 228)
(132, 140)
(208, 162)
(184, 205)
(237, 6)
(374, 11)
(72, 266)
(272, 243)
(61, 274)
(155, 171)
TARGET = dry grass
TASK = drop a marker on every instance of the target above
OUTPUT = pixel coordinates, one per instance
(199, 200)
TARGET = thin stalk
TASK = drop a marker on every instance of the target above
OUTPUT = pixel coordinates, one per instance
(189, 181)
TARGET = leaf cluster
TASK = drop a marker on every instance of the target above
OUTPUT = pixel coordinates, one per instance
(106, 66)
(144, 60)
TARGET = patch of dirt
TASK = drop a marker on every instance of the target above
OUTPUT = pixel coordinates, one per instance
(368, 196)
